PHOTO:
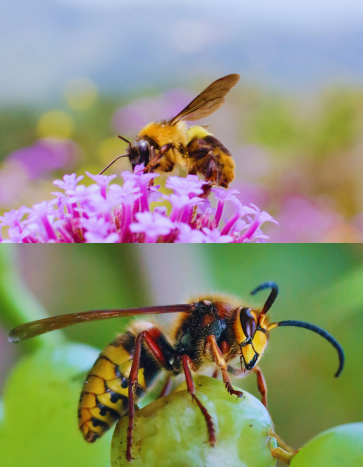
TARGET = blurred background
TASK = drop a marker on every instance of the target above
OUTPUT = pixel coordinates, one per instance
(77, 72)
(40, 385)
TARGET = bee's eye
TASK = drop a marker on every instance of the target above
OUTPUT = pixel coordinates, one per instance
(143, 147)
(248, 322)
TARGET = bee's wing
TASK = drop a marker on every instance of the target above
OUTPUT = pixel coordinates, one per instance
(35, 328)
(207, 101)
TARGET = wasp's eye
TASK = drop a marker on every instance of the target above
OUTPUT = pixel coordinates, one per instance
(248, 322)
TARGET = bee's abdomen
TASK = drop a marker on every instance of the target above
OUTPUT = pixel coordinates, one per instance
(104, 397)
(210, 158)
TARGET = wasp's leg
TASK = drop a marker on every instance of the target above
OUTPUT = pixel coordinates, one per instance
(191, 389)
(219, 360)
(157, 353)
(236, 372)
(261, 384)
(165, 390)
(215, 373)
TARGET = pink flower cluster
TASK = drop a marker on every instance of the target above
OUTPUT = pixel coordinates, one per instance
(106, 212)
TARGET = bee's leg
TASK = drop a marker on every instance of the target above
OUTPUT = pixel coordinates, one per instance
(261, 384)
(208, 157)
(158, 159)
(157, 353)
(153, 161)
(166, 387)
(219, 360)
(205, 164)
(211, 169)
(207, 187)
(166, 147)
(191, 389)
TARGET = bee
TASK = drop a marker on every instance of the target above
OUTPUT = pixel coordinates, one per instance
(168, 145)
(211, 330)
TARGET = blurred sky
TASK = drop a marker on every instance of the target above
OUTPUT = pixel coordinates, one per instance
(127, 45)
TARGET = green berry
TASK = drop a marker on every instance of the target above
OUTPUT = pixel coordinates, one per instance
(341, 446)
(172, 431)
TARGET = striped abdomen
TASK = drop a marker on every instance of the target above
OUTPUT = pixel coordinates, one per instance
(206, 155)
(104, 397)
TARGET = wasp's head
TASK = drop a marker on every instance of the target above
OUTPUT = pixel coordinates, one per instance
(139, 153)
(252, 328)
(251, 332)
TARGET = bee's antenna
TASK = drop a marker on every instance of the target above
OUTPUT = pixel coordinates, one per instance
(109, 165)
(118, 157)
(321, 332)
(271, 298)
(124, 139)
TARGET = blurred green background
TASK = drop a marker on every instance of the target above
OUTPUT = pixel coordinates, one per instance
(76, 73)
(321, 284)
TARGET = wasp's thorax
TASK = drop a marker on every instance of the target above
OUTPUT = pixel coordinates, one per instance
(239, 332)
(251, 333)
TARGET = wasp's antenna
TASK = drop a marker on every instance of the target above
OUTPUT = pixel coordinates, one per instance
(321, 332)
(111, 163)
(271, 298)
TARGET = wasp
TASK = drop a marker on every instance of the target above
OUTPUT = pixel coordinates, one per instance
(168, 145)
(212, 330)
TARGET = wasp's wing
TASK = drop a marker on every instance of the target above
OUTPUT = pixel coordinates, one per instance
(207, 101)
(35, 328)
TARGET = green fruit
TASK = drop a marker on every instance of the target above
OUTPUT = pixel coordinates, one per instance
(341, 446)
(40, 427)
(172, 431)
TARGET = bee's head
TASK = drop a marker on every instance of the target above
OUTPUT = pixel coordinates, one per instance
(139, 153)
(252, 329)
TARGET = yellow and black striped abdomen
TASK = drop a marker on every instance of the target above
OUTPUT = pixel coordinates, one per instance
(207, 156)
(104, 397)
